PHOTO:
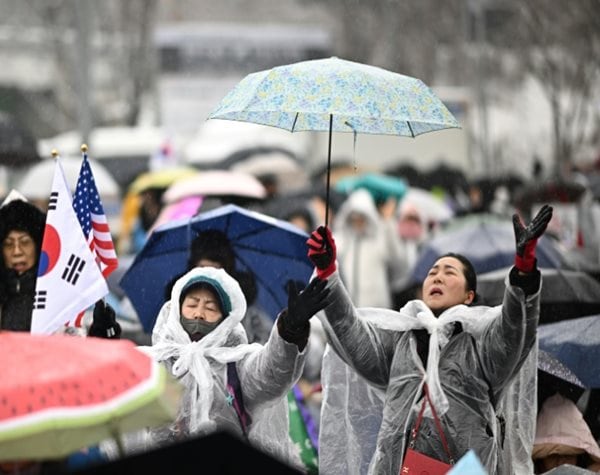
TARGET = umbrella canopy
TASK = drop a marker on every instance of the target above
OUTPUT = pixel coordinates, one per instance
(489, 244)
(61, 393)
(182, 457)
(567, 469)
(550, 365)
(274, 251)
(361, 98)
(17, 145)
(279, 164)
(216, 183)
(549, 192)
(160, 178)
(565, 293)
(433, 208)
(336, 95)
(381, 187)
(36, 183)
(576, 344)
(216, 140)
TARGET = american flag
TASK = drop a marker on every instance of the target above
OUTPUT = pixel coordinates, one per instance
(90, 213)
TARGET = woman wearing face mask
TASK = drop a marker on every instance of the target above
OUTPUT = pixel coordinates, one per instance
(229, 384)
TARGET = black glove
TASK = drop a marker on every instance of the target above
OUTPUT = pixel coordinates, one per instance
(104, 324)
(322, 251)
(293, 322)
(526, 238)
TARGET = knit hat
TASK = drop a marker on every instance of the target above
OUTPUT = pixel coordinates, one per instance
(202, 281)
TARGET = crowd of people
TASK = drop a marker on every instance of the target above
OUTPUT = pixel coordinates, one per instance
(391, 371)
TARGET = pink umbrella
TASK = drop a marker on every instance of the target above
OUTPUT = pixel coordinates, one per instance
(216, 183)
(184, 208)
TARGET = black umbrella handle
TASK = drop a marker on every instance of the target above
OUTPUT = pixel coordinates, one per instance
(328, 172)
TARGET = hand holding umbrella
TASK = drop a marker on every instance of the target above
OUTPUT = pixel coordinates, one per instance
(322, 251)
(526, 238)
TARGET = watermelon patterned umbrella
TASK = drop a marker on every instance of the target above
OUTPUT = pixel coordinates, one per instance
(61, 393)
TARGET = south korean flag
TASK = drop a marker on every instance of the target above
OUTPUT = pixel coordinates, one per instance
(69, 280)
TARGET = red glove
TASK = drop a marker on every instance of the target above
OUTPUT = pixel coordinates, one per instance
(526, 238)
(322, 252)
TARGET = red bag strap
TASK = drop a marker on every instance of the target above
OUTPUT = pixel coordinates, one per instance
(437, 421)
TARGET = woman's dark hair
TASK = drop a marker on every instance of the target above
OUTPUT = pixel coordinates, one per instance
(468, 271)
(214, 245)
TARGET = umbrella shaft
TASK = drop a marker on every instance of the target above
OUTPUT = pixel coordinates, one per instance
(328, 171)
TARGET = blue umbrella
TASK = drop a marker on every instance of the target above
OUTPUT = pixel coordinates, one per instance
(488, 242)
(576, 344)
(336, 95)
(273, 251)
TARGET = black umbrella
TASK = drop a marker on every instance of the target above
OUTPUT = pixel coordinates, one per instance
(548, 192)
(218, 453)
(566, 294)
(17, 144)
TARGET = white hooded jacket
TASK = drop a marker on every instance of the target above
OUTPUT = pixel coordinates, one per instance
(266, 372)
(366, 258)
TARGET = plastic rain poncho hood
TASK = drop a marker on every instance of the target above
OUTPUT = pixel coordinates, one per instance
(266, 372)
(376, 418)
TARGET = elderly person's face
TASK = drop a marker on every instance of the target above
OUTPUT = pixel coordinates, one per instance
(19, 252)
(446, 285)
(201, 304)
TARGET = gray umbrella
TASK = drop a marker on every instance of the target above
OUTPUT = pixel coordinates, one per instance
(17, 144)
(566, 294)
(567, 469)
(549, 364)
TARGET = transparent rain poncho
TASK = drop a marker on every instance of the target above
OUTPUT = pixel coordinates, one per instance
(365, 426)
(266, 372)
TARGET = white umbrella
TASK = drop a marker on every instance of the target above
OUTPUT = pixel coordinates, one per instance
(36, 183)
(218, 139)
(290, 175)
(431, 207)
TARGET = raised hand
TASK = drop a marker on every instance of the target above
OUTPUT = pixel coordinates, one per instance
(322, 251)
(302, 306)
(104, 324)
(526, 238)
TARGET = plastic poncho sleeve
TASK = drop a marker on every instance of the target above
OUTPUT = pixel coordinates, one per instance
(508, 340)
(268, 374)
(368, 349)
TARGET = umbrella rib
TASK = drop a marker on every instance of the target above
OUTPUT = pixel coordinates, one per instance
(410, 128)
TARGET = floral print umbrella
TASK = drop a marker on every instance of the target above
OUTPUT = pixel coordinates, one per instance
(336, 95)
